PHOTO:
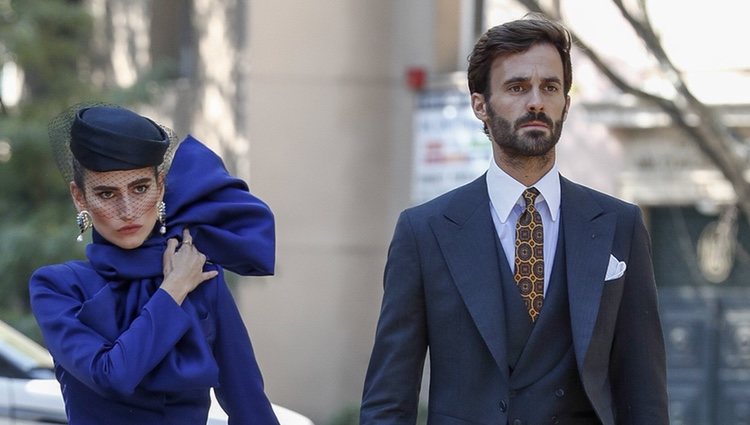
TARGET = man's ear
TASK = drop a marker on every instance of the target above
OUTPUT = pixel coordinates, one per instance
(479, 106)
(79, 198)
(567, 106)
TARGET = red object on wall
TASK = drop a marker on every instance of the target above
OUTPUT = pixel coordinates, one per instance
(416, 77)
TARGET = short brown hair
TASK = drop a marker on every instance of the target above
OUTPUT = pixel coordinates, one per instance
(517, 37)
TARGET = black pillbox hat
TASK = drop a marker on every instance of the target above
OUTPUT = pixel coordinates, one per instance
(104, 138)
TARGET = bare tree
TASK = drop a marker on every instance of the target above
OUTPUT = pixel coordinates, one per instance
(700, 123)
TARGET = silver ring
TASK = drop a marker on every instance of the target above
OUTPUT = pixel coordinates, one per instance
(188, 242)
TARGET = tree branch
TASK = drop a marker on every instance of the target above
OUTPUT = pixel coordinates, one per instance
(711, 136)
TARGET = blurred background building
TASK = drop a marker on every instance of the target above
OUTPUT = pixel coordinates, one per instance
(340, 113)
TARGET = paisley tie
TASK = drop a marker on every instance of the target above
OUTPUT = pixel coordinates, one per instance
(529, 273)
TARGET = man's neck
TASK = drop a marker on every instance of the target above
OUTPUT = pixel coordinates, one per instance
(527, 170)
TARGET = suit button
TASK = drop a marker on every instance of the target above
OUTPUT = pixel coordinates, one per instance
(559, 392)
(555, 420)
(503, 406)
(517, 422)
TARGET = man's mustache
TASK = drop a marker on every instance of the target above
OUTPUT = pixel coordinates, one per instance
(534, 116)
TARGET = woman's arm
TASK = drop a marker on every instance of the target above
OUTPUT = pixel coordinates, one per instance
(110, 365)
(84, 334)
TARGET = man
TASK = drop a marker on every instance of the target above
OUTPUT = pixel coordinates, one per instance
(534, 295)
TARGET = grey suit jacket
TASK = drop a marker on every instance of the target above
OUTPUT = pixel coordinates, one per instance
(442, 293)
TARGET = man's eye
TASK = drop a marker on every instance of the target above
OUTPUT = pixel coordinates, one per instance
(552, 88)
(515, 89)
(106, 194)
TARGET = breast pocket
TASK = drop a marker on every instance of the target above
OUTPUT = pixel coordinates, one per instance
(614, 282)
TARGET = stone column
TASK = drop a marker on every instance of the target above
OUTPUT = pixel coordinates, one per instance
(330, 146)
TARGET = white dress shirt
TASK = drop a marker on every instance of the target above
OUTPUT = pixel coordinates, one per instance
(507, 204)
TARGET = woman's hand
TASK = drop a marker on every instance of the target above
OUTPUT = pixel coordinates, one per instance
(183, 268)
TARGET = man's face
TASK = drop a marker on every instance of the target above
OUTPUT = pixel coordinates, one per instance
(526, 106)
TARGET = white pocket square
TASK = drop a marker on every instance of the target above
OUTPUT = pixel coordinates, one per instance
(615, 269)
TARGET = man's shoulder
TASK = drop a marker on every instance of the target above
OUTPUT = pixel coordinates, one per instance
(606, 201)
(475, 189)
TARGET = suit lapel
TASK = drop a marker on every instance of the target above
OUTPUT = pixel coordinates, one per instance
(466, 236)
(589, 232)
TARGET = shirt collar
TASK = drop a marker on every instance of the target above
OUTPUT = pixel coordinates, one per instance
(505, 191)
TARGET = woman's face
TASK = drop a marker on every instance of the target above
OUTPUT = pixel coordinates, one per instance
(122, 204)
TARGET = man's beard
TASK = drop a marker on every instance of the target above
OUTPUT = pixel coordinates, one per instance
(532, 143)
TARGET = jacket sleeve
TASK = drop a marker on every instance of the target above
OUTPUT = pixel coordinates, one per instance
(638, 360)
(393, 381)
(240, 392)
(111, 367)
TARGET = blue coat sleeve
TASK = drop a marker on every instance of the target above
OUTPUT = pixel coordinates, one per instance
(638, 359)
(111, 367)
(392, 383)
(240, 390)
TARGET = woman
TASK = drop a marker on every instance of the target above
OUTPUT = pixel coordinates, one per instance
(143, 328)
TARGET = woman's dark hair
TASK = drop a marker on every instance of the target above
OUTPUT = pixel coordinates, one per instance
(78, 173)
(517, 37)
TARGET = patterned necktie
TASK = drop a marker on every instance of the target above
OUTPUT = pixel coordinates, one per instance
(529, 274)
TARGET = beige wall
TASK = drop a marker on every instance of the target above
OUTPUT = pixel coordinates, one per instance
(330, 128)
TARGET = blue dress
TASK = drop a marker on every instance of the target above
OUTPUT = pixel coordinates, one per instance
(124, 351)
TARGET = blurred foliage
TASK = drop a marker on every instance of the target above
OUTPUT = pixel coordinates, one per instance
(51, 42)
